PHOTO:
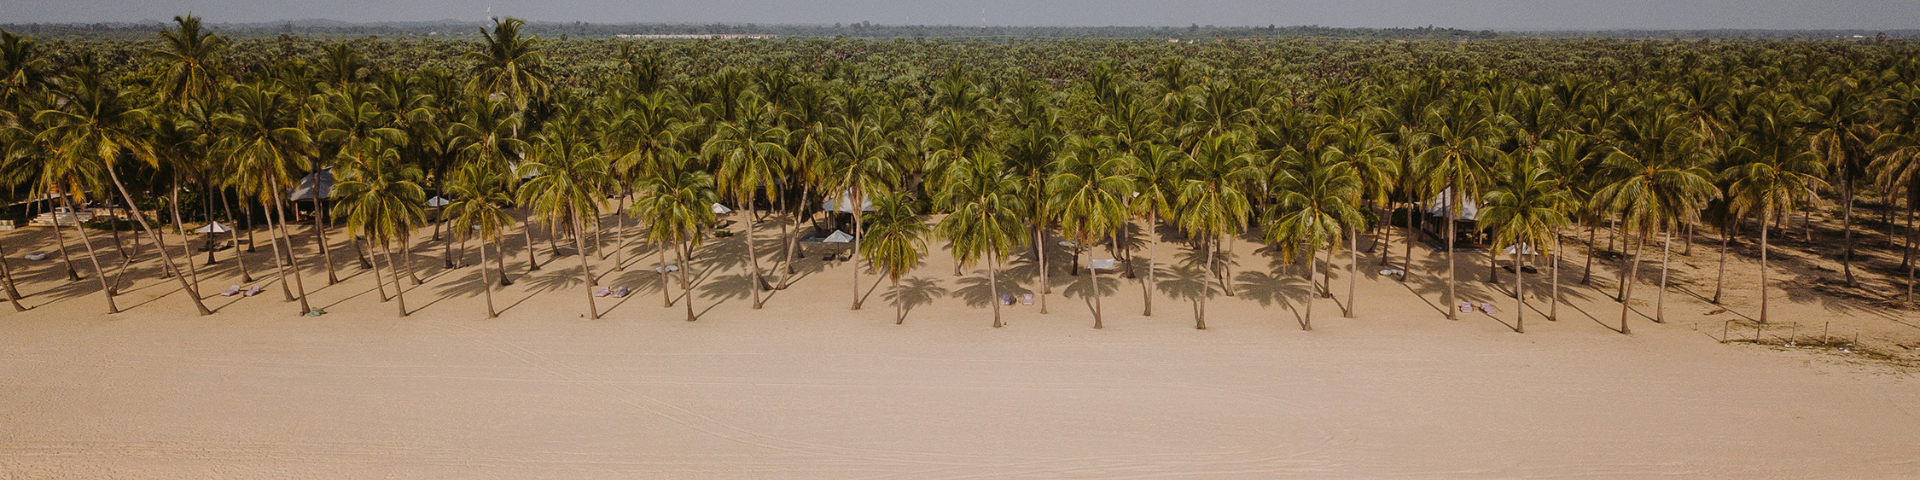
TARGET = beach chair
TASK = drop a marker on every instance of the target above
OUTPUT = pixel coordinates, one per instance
(1488, 307)
(1006, 299)
(1466, 307)
(621, 292)
(251, 291)
(602, 291)
(1026, 299)
(231, 291)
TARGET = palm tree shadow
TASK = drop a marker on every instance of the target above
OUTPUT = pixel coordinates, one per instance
(914, 292)
(1186, 282)
(977, 292)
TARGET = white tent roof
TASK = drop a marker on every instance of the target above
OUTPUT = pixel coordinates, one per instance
(214, 227)
(1524, 249)
(845, 204)
(839, 237)
(306, 190)
(1437, 206)
(719, 209)
(436, 201)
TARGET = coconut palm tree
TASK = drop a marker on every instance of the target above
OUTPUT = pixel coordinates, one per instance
(748, 153)
(1658, 186)
(486, 134)
(1457, 165)
(1031, 153)
(674, 202)
(860, 169)
(1213, 202)
(479, 208)
(1525, 207)
(1089, 190)
(509, 65)
(1316, 201)
(896, 237)
(1774, 173)
(100, 125)
(192, 62)
(380, 198)
(352, 124)
(1840, 120)
(568, 178)
(985, 205)
(1157, 172)
(264, 144)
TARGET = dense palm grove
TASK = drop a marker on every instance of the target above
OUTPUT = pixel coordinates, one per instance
(1305, 145)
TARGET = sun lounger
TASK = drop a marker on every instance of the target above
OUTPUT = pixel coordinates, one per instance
(621, 292)
(36, 256)
(602, 291)
(231, 291)
(1488, 307)
(1466, 307)
(251, 291)
(1026, 299)
(1006, 299)
(669, 269)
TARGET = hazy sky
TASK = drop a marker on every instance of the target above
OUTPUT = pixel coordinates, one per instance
(1471, 14)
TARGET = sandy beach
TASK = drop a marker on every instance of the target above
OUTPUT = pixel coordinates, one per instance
(806, 388)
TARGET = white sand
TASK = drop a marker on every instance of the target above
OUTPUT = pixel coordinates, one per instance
(807, 389)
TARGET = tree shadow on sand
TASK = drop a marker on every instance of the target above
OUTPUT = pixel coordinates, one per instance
(914, 292)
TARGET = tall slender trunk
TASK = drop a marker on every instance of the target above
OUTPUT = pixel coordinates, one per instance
(1353, 269)
(661, 250)
(192, 293)
(899, 307)
(1306, 323)
(406, 256)
(1720, 281)
(586, 273)
(1666, 255)
(206, 209)
(399, 292)
(252, 246)
(993, 284)
(1200, 314)
(858, 234)
(1386, 235)
(1040, 253)
(447, 260)
(1226, 266)
(186, 246)
(753, 260)
(1153, 249)
(1767, 212)
(279, 261)
(1553, 310)
(98, 274)
(486, 281)
(1093, 275)
(233, 234)
(1846, 227)
(1586, 278)
(320, 234)
(533, 265)
(73, 275)
(686, 288)
(1453, 212)
(500, 261)
(379, 281)
(360, 251)
(6, 273)
(293, 263)
(793, 241)
(1520, 292)
(1413, 234)
(1626, 292)
(620, 234)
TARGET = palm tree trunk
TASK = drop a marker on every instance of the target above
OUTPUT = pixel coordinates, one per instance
(252, 246)
(65, 257)
(192, 293)
(1453, 211)
(1586, 278)
(6, 273)
(1846, 227)
(206, 209)
(793, 241)
(899, 307)
(1666, 255)
(857, 235)
(1094, 276)
(1306, 323)
(279, 261)
(1767, 212)
(1520, 292)
(233, 234)
(620, 234)
(500, 261)
(1353, 269)
(1223, 255)
(186, 246)
(1040, 249)
(406, 256)
(586, 273)
(1720, 281)
(993, 284)
(293, 263)
(1413, 234)
(1626, 291)
(533, 265)
(447, 260)
(486, 281)
(753, 260)
(1553, 310)
(686, 288)
(360, 251)
(380, 282)
(320, 234)
(98, 274)
(1200, 314)
(1153, 248)
(399, 293)
(661, 251)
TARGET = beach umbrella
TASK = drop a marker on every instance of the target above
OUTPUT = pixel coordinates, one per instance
(436, 201)
(839, 237)
(719, 209)
(215, 227)
(845, 204)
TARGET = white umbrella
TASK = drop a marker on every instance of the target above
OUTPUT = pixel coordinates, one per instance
(436, 201)
(839, 237)
(1524, 249)
(845, 204)
(214, 227)
(719, 209)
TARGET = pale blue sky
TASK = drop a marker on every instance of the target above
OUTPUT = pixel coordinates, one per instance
(1470, 14)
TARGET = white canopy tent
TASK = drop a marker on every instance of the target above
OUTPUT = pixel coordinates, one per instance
(719, 209)
(316, 185)
(436, 201)
(215, 227)
(1437, 207)
(844, 204)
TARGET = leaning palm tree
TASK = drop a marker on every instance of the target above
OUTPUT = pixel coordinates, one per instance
(1089, 191)
(100, 125)
(749, 152)
(985, 220)
(1658, 187)
(673, 202)
(1316, 201)
(860, 169)
(1525, 208)
(1157, 171)
(479, 209)
(569, 177)
(380, 198)
(1212, 203)
(264, 144)
(1773, 173)
(897, 236)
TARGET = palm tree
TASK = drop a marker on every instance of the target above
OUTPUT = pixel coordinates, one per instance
(354, 126)
(1089, 191)
(191, 62)
(860, 169)
(1157, 171)
(1370, 160)
(479, 208)
(380, 198)
(897, 236)
(1213, 202)
(1315, 202)
(509, 65)
(1774, 173)
(1525, 208)
(569, 177)
(984, 221)
(486, 135)
(674, 204)
(1840, 121)
(749, 152)
(100, 125)
(1658, 187)
(264, 144)
(1030, 154)
(1457, 166)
